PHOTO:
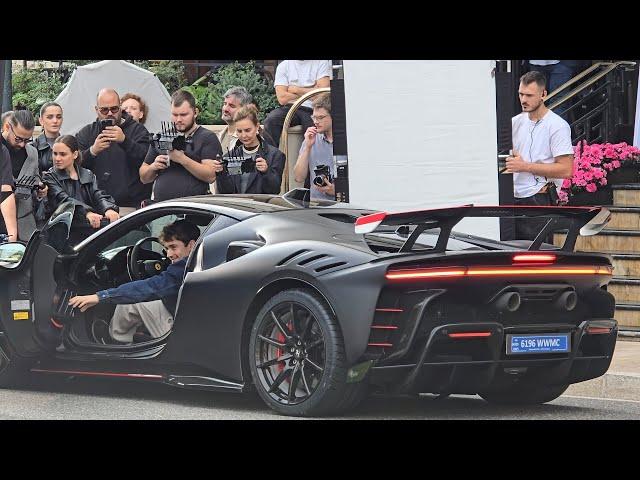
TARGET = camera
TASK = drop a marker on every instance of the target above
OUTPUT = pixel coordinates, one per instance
(322, 175)
(169, 138)
(237, 164)
(107, 122)
(27, 184)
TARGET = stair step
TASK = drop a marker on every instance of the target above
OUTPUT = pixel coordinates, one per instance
(624, 218)
(626, 290)
(627, 241)
(628, 315)
(626, 195)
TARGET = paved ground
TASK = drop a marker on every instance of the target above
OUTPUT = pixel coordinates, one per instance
(115, 400)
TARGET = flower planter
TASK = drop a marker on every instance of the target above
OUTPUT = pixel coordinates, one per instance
(603, 196)
(626, 174)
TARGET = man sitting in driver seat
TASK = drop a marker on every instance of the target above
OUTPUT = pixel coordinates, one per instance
(151, 301)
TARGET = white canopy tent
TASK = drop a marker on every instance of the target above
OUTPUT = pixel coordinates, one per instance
(79, 96)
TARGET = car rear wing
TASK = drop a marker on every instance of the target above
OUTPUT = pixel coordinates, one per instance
(576, 220)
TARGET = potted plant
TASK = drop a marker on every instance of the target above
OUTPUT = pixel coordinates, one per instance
(596, 168)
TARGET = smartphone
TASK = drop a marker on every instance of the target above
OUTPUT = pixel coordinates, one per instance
(107, 122)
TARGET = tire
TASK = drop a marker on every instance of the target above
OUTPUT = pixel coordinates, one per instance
(524, 394)
(14, 371)
(297, 327)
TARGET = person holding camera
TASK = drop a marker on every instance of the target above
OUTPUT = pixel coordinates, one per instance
(542, 152)
(68, 181)
(113, 148)
(8, 220)
(16, 136)
(266, 175)
(182, 173)
(316, 152)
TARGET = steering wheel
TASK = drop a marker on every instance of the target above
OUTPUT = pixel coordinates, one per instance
(140, 269)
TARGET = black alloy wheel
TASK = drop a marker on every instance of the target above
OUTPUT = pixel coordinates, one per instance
(290, 353)
(297, 357)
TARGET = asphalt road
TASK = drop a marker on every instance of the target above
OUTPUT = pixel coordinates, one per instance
(83, 399)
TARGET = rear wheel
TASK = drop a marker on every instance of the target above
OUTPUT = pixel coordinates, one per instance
(524, 394)
(297, 357)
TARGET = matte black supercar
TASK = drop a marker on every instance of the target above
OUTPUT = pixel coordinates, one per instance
(314, 307)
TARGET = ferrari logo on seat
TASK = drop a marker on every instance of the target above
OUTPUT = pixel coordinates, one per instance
(158, 266)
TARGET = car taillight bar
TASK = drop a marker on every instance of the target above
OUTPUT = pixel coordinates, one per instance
(470, 335)
(384, 327)
(534, 258)
(390, 310)
(506, 271)
(383, 345)
(598, 330)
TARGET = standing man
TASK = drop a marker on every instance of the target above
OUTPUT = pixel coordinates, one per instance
(293, 79)
(16, 137)
(113, 148)
(234, 98)
(542, 151)
(317, 149)
(8, 220)
(188, 172)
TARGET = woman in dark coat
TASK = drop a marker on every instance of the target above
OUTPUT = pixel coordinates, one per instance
(68, 181)
(51, 121)
(269, 160)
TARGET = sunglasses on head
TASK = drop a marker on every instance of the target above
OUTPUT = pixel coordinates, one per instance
(106, 110)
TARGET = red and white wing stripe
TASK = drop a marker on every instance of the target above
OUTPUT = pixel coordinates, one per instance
(369, 223)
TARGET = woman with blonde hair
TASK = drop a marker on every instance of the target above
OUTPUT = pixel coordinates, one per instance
(269, 161)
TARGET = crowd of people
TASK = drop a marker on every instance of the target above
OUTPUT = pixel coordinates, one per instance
(113, 166)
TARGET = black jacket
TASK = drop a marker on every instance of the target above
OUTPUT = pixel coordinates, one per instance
(267, 182)
(45, 153)
(59, 184)
(117, 167)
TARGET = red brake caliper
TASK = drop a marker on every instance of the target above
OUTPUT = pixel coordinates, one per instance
(279, 351)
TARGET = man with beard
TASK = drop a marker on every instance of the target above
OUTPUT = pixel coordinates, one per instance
(234, 98)
(113, 148)
(542, 152)
(16, 136)
(183, 173)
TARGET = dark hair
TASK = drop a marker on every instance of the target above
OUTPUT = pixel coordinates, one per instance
(322, 101)
(534, 76)
(44, 107)
(182, 230)
(248, 111)
(181, 96)
(23, 118)
(71, 142)
(137, 98)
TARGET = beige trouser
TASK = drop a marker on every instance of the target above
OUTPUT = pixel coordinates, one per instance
(126, 318)
(124, 211)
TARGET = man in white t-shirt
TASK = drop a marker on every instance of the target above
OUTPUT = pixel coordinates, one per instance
(542, 151)
(293, 79)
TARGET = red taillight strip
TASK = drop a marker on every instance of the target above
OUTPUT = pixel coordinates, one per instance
(389, 310)
(598, 330)
(384, 327)
(534, 258)
(98, 374)
(470, 335)
(422, 273)
(380, 344)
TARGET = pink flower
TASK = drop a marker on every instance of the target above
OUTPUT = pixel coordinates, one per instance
(591, 187)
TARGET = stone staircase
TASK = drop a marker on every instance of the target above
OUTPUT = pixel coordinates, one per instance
(621, 240)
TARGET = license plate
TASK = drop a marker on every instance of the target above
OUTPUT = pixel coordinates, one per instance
(547, 343)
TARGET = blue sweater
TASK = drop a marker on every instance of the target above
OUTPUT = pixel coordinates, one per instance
(163, 287)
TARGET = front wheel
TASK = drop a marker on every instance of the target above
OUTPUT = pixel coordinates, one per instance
(524, 394)
(297, 357)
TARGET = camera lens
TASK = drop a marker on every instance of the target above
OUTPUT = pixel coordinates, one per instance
(319, 181)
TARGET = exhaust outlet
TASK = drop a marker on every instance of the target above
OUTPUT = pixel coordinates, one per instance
(567, 301)
(509, 301)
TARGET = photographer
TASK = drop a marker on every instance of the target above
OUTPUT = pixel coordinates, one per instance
(182, 173)
(16, 136)
(317, 150)
(68, 181)
(113, 148)
(269, 161)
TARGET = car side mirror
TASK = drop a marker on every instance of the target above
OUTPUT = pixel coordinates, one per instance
(11, 254)
(239, 248)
